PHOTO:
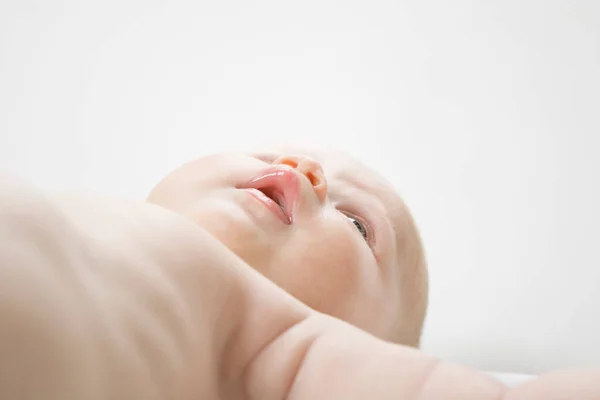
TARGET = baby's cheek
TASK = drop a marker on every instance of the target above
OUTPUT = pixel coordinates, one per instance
(325, 272)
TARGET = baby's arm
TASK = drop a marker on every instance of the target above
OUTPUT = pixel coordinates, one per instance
(349, 364)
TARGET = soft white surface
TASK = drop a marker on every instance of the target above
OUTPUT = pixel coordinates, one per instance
(484, 114)
(511, 379)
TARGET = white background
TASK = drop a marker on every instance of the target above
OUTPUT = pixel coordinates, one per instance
(485, 115)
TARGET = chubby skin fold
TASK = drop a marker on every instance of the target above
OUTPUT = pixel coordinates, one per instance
(110, 299)
(334, 360)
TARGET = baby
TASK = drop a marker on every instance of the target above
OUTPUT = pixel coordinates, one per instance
(243, 297)
(322, 226)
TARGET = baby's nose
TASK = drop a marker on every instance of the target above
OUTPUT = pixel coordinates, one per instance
(309, 168)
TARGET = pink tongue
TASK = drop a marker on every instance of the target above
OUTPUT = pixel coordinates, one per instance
(278, 198)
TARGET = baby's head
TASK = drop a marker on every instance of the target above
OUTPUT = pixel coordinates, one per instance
(320, 225)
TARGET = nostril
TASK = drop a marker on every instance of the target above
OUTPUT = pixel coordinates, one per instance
(290, 163)
(314, 180)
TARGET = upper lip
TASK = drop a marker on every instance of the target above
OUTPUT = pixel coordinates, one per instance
(280, 184)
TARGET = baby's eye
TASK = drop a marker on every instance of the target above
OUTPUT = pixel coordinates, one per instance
(359, 225)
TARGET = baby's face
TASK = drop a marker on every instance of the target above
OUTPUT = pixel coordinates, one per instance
(322, 226)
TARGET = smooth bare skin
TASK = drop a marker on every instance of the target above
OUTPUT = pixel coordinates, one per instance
(109, 299)
(378, 284)
(104, 298)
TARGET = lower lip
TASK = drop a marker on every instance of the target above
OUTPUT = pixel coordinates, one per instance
(270, 204)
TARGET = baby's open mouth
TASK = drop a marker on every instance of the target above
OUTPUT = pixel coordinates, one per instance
(278, 189)
(274, 195)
